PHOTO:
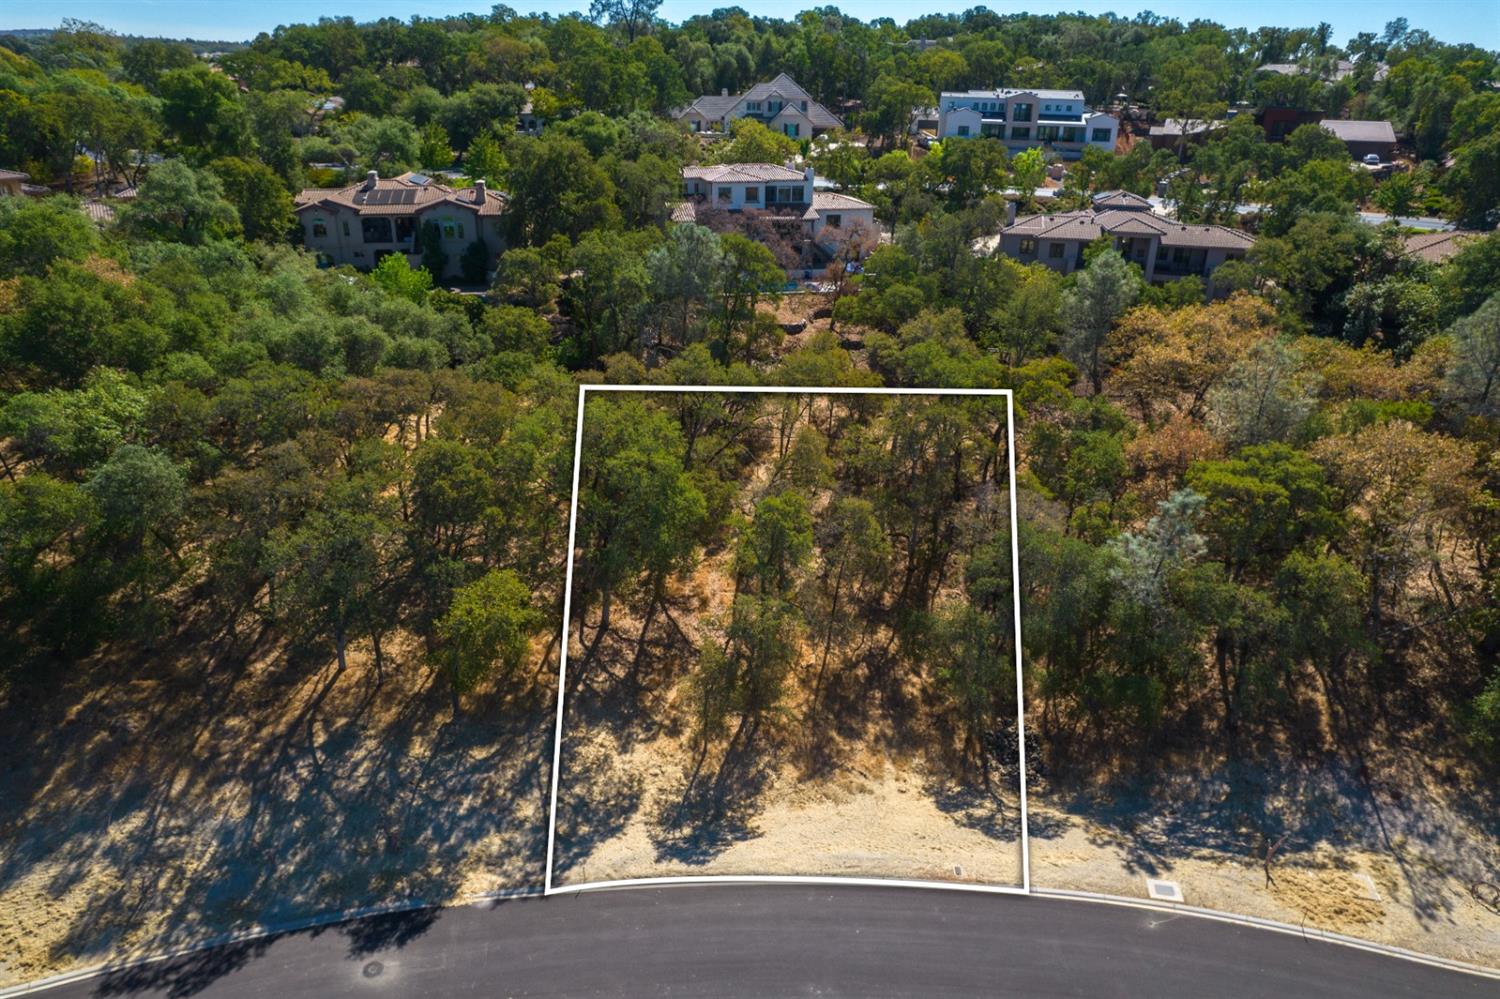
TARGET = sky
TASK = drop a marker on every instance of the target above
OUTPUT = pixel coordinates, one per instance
(1476, 21)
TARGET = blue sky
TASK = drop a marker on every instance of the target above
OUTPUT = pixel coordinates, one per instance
(1476, 21)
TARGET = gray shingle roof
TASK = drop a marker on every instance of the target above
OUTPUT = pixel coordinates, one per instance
(787, 89)
(1359, 131)
(1120, 199)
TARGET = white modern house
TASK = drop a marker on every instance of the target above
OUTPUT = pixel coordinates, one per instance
(1057, 120)
(780, 105)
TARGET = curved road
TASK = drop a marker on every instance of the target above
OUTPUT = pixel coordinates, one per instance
(737, 940)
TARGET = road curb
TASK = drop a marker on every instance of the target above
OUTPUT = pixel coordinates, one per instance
(1273, 925)
(1060, 894)
(259, 932)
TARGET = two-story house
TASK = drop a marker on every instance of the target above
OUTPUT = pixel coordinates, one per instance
(780, 105)
(776, 190)
(363, 222)
(1058, 120)
(816, 221)
(1165, 250)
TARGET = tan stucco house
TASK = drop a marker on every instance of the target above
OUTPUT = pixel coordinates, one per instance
(1164, 249)
(359, 224)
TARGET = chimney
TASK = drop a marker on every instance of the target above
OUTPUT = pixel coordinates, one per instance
(723, 91)
(479, 195)
(370, 179)
(1010, 212)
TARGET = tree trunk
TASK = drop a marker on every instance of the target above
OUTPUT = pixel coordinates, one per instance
(379, 657)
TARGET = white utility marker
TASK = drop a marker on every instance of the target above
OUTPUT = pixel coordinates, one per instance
(1163, 891)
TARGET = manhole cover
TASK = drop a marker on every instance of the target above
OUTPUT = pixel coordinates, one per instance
(373, 969)
(1163, 891)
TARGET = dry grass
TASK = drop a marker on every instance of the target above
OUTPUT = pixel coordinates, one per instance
(210, 793)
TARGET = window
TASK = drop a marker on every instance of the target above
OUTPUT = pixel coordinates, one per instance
(346, 227)
(1072, 134)
(752, 105)
(1055, 250)
(835, 220)
(405, 229)
(1028, 246)
(1022, 113)
(752, 195)
(726, 195)
(375, 230)
(793, 129)
(1101, 135)
(319, 229)
(1021, 132)
(963, 130)
(1046, 133)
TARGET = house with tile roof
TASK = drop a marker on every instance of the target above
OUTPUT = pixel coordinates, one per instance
(359, 224)
(1436, 247)
(781, 105)
(1165, 250)
(1057, 120)
(786, 198)
(780, 192)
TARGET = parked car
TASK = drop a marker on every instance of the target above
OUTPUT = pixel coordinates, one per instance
(1372, 159)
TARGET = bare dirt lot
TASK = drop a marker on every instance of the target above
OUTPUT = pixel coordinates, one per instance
(186, 802)
(855, 769)
(1401, 866)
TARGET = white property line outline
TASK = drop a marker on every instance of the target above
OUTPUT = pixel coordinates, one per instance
(562, 668)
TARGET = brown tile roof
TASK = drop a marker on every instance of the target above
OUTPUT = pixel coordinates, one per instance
(1207, 237)
(1435, 247)
(1088, 226)
(98, 211)
(403, 195)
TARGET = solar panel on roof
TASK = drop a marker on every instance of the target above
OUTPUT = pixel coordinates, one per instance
(420, 179)
(391, 196)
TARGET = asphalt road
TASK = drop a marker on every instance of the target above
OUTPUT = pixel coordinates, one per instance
(726, 940)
